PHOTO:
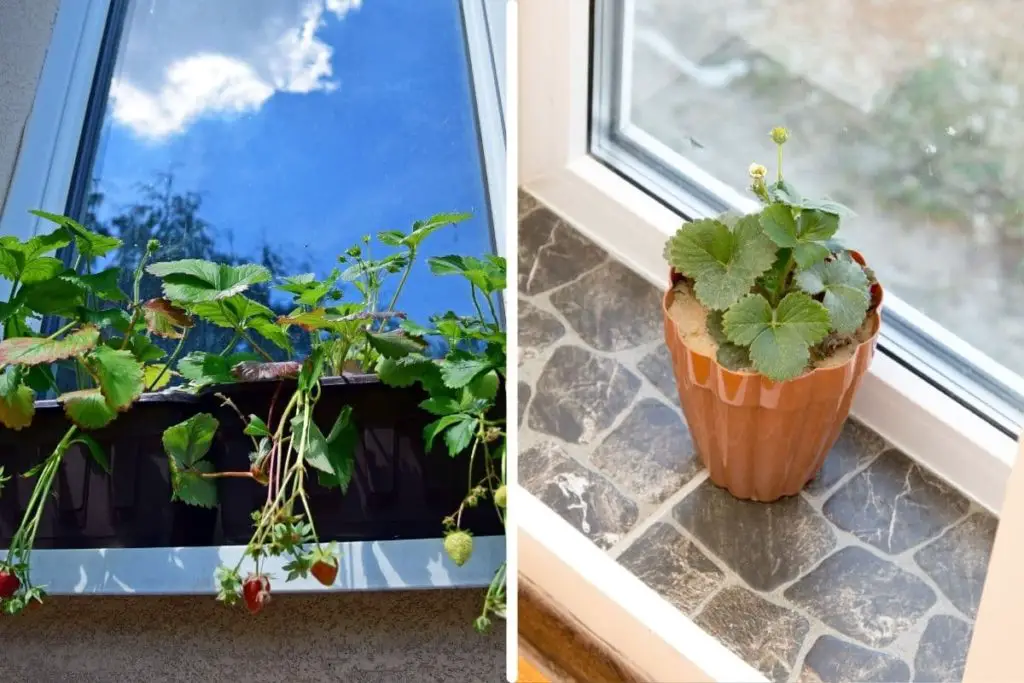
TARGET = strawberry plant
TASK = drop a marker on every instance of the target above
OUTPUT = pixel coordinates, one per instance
(104, 342)
(779, 291)
(289, 448)
(462, 388)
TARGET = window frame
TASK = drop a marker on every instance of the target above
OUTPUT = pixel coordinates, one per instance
(992, 391)
(82, 49)
(556, 166)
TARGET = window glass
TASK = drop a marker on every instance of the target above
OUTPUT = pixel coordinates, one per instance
(282, 131)
(909, 111)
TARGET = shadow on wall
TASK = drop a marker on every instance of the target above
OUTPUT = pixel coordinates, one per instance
(415, 636)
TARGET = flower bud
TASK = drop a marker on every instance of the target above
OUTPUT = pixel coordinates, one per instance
(779, 135)
(152, 246)
(757, 171)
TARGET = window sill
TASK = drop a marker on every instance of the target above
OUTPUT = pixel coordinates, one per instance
(365, 565)
(927, 425)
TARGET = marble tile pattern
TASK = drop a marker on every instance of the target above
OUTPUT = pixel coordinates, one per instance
(872, 573)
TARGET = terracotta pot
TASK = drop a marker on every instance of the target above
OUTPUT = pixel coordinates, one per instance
(762, 440)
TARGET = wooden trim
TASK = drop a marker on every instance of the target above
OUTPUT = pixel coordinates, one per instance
(565, 647)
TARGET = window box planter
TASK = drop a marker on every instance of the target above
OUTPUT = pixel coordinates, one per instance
(130, 507)
(398, 491)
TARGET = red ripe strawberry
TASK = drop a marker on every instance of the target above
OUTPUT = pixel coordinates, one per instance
(256, 591)
(324, 571)
(9, 583)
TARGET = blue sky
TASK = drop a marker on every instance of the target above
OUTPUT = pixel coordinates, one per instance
(323, 127)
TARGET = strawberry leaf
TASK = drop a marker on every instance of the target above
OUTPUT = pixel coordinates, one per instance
(460, 435)
(845, 286)
(38, 351)
(119, 375)
(190, 487)
(234, 311)
(272, 332)
(406, 371)
(431, 431)
(186, 443)
(195, 281)
(724, 263)
(88, 243)
(102, 285)
(17, 401)
(422, 229)
(733, 357)
(164, 319)
(394, 344)
(202, 368)
(805, 234)
(458, 373)
(95, 450)
(87, 408)
(784, 193)
(779, 340)
(150, 374)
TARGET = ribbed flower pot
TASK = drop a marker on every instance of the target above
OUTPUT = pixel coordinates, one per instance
(762, 440)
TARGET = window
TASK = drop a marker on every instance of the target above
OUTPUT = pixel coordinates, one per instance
(277, 132)
(909, 113)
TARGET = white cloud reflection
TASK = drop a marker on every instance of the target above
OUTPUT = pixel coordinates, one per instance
(191, 59)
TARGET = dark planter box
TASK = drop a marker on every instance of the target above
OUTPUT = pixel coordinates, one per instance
(397, 492)
(131, 508)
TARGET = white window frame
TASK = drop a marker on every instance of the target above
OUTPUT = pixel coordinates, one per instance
(42, 180)
(555, 166)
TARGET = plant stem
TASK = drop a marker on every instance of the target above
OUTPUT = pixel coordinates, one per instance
(231, 344)
(780, 286)
(476, 304)
(779, 156)
(218, 475)
(170, 361)
(63, 329)
(405, 276)
(255, 346)
(494, 312)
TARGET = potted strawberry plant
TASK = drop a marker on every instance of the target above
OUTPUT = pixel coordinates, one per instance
(771, 325)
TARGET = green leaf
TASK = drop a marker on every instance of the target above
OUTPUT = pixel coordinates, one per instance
(272, 332)
(191, 488)
(256, 427)
(784, 193)
(108, 317)
(17, 401)
(88, 243)
(341, 445)
(431, 431)
(413, 329)
(150, 373)
(723, 263)
(314, 450)
(441, 406)
(37, 351)
(733, 357)
(119, 374)
(202, 368)
(312, 370)
(196, 281)
(144, 350)
(460, 435)
(458, 373)
(422, 229)
(405, 372)
(88, 408)
(392, 238)
(232, 312)
(41, 268)
(806, 234)
(95, 450)
(186, 443)
(103, 285)
(779, 339)
(845, 286)
(394, 344)
(164, 319)
(58, 296)
(714, 326)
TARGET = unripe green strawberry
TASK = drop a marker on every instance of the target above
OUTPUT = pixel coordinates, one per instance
(459, 546)
(501, 496)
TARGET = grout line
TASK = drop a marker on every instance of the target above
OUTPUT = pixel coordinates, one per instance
(664, 510)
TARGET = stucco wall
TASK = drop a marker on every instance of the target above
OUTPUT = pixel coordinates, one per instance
(24, 35)
(418, 637)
